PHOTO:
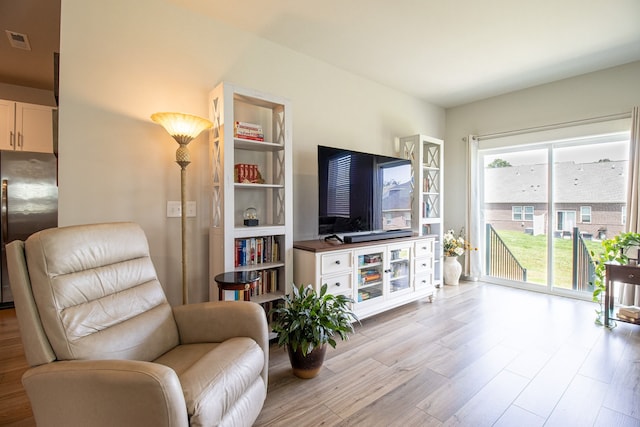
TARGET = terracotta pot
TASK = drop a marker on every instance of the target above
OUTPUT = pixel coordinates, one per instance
(307, 366)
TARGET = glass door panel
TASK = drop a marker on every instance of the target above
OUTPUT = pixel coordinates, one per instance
(589, 192)
(516, 215)
(399, 278)
(370, 271)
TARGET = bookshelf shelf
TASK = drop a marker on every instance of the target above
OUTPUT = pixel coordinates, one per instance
(247, 144)
(240, 186)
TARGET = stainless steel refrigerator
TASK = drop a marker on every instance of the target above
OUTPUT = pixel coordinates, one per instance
(28, 202)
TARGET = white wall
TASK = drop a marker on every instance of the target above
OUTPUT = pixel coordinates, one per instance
(602, 93)
(121, 61)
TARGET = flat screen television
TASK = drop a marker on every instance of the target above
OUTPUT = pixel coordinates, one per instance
(362, 192)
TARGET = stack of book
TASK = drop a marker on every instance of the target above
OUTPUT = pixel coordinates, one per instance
(369, 276)
(250, 131)
(247, 174)
(629, 314)
(256, 250)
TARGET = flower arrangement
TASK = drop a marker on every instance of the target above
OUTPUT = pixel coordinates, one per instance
(454, 245)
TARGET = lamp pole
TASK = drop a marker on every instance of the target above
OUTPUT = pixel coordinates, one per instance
(183, 211)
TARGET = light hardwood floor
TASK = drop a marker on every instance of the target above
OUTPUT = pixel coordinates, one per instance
(479, 355)
(14, 405)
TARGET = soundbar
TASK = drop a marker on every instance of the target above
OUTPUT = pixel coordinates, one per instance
(381, 235)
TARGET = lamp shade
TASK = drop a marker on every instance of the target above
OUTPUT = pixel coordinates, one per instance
(183, 127)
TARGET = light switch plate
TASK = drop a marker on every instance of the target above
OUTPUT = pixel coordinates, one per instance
(191, 209)
(174, 209)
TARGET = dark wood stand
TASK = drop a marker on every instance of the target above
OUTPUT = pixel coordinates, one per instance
(617, 273)
(237, 281)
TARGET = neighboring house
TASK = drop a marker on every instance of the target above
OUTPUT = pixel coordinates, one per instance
(590, 196)
(396, 206)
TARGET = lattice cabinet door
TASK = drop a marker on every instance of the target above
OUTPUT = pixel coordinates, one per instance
(426, 155)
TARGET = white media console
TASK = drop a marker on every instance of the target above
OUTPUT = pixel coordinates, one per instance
(378, 275)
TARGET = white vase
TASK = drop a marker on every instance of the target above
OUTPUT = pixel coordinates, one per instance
(451, 270)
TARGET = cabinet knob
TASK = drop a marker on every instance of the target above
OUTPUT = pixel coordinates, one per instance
(337, 284)
(338, 261)
(388, 271)
(424, 265)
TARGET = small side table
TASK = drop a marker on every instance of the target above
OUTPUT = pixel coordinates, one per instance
(237, 281)
(617, 273)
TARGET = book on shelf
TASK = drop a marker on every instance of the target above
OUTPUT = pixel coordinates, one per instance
(233, 295)
(426, 185)
(627, 318)
(370, 259)
(426, 209)
(267, 283)
(247, 130)
(631, 312)
(370, 276)
(247, 174)
(256, 251)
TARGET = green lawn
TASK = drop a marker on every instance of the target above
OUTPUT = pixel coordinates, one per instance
(531, 252)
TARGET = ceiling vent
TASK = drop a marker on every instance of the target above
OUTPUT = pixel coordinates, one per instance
(17, 40)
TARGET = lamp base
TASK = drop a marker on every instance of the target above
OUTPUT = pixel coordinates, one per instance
(251, 222)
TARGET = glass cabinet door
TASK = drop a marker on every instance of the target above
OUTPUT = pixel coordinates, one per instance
(370, 274)
(399, 262)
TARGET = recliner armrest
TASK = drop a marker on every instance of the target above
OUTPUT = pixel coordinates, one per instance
(221, 320)
(105, 393)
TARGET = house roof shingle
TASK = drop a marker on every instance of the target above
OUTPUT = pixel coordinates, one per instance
(599, 182)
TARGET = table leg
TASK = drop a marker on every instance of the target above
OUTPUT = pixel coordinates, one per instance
(607, 302)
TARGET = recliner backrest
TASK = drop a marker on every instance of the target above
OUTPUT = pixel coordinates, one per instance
(97, 293)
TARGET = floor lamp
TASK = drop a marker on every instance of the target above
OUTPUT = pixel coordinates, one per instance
(183, 128)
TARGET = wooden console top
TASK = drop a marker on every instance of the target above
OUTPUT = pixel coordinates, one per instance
(321, 245)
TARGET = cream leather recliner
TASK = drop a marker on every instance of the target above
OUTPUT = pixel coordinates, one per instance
(107, 349)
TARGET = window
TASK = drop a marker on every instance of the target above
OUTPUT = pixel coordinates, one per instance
(585, 214)
(528, 213)
(339, 184)
(565, 220)
(516, 213)
(522, 213)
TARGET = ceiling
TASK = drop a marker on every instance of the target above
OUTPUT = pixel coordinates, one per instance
(445, 52)
(40, 21)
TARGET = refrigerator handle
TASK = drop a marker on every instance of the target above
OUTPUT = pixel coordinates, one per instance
(4, 210)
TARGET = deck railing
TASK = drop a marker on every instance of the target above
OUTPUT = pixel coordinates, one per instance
(500, 260)
(583, 267)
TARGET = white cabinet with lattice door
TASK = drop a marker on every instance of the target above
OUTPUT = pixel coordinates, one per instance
(251, 190)
(426, 155)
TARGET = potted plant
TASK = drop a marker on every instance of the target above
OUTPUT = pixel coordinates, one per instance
(307, 322)
(613, 251)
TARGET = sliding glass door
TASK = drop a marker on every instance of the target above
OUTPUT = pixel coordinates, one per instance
(546, 206)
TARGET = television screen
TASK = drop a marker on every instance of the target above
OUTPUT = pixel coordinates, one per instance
(362, 192)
